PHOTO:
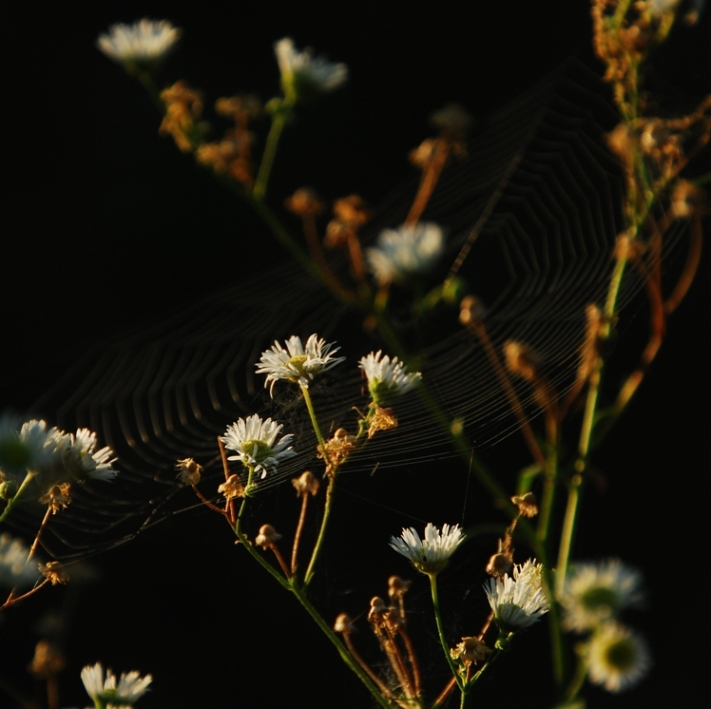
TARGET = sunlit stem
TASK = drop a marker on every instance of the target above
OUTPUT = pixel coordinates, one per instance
(35, 544)
(247, 491)
(15, 498)
(299, 530)
(314, 423)
(270, 150)
(568, 530)
(146, 80)
(440, 630)
(356, 656)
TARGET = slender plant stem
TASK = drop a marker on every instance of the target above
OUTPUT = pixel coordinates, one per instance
(13, 501)
(440, 630)
(270, 150)
(322, 532)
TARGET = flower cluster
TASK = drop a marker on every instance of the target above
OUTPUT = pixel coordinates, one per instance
(253, 441)
(593, 598)
(143, 43)
(406, 252)
(387, 377)
(15, 569)
(297, 363)
(62, 456)
(431, 555)
(518, 601)
(131, 686)
(303, 75)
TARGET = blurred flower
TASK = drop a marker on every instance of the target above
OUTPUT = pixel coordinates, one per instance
(189, 472)
(303, 75)
(142, 43)
(387, 377)
(405, 252)
(253, 441)
(618, 658)
(79, 457)
(431, 555)
(15, 569)
(24, 449)
(131, 686)
(297, 363)
(520, 601)
(597, 592)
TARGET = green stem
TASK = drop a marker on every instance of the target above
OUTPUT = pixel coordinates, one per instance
(322, 532)
(314, 420)
(440, 630)
(265, 168)
(568, 531)
(15, 498)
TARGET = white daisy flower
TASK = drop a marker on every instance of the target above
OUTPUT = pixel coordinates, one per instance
(303, 75)
(431, 555)
(297, 363)
(405, 252)
(131, 686)
(520, 601)
(618, 658)
(24, 449)
(387, 377)
(15, 570)
(253, 441)
(597, 592)
(144, 42)
(79, 457)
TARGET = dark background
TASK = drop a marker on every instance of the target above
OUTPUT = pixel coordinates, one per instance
(108, 224)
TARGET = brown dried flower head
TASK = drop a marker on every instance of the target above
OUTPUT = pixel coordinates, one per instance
(352, 211)
(527, 504)
(47, 661)
(305, 202)
(189, 472)
(472, 311)
(57, 497)
(306, 484)
(267, 537)
(398, 587)
(232, 487)
(521, 360)
(470, 651)
(54, 572)
(344, 624)
(381, 419)
(339, 447)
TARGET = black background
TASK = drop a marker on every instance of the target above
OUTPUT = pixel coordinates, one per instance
(106, 223)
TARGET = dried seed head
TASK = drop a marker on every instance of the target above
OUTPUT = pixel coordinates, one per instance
(398, 587)
(471, 311)
(240, 107)
(453, 121)
(527, 504)
(57, 497)
(232, 487)
(189, 472)
(267, 537)
(337, 234)
(381, 419)
(338, 448)
(470, 651)
(377, 610)
(305, 202)
(344, 624)
(688, 200)
(306, 484)
(54, 572)
(422, 155)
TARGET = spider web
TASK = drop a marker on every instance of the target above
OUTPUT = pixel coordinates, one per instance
(167, 389)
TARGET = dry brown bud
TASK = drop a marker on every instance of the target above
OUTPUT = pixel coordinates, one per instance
(471, 311)
(398, 587)
(306, 484)
(240, 107)
(304, 202)
(338, 448)
(688, 200)
(499, 564)
(352, 211)
(57, 497)
(381, 419)
(48, 660)
(527, 504)
(337, 234)
(267, 537)
(189, 472)
(422, 155)
(344, 624)
(521, 360)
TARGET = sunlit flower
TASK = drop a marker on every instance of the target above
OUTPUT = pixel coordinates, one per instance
(387, 377)
(431, 555)
(131, 686)
(597, 592)
(520, 601)
(253, 440)
(297, 363)
(24, 449)
(15, 570)
(79, 457)
(405, 252)
(303, 75)
(618, 658)
(144, 42)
